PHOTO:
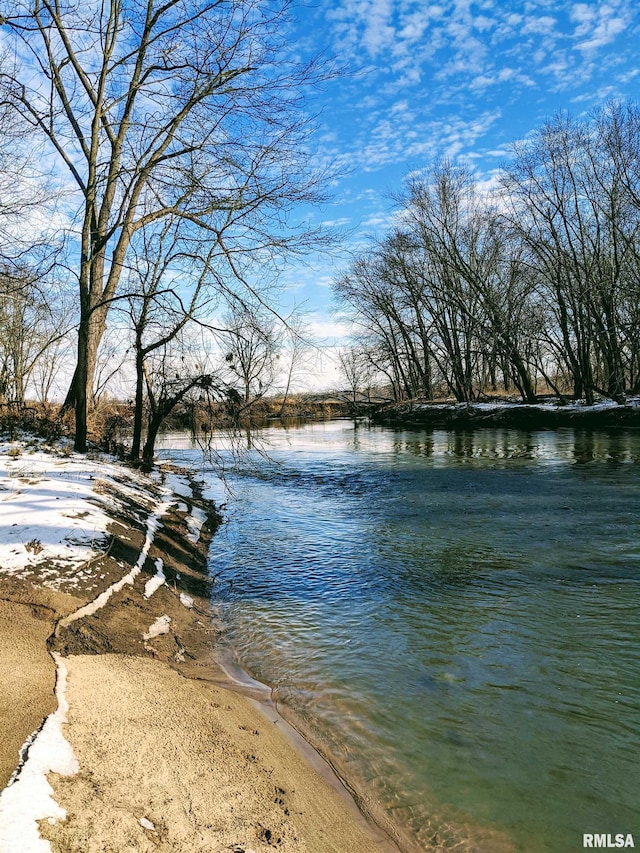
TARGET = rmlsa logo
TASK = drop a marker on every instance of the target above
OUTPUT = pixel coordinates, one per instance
(602, 840)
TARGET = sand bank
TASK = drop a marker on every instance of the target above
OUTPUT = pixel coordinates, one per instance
(27, 678)
(170, 763)
(27, 670)
(169, 757)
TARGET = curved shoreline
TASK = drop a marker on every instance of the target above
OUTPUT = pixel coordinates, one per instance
(222, 770)
(389, 837)
(392, 838)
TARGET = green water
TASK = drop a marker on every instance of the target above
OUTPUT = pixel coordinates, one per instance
(456, 618)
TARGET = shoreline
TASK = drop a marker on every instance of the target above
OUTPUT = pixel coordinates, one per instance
(158, 728)
(392, 838)
(421, 414)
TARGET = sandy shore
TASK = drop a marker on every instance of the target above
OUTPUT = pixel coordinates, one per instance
(195, 763)
(169, 757)
(27, 677)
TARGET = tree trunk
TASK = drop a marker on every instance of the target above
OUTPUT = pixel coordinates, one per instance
(524, 377)
(80, 393)
(80, 389)
(148, 451)
(139, 403)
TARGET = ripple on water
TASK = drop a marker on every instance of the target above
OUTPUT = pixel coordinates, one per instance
(453, 617)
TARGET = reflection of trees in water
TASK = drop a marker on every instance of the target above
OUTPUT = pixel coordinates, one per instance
(418, 599)
(570, 446)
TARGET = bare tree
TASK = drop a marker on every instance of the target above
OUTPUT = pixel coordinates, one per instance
(615, 165)
(31, 325)
(358, 372)
(574, 194)
(251, 342)
(540, 281)
(158, 309)
(156, 110)
(473, 283)
(371, 295)
(24, 190)
(172, 377)
(293, 356)
(45, 379)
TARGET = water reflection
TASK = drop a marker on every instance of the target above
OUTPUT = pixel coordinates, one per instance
(561, 446)
(557, 447)
(454, 616)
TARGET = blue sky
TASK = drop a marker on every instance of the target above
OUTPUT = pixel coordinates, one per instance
(455, 79)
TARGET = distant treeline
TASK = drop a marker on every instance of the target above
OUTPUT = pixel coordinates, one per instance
(532, 282)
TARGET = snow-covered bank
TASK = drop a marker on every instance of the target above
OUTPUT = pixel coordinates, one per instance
(55, 511)
(72, 524)
(153, 523)
(605, 414)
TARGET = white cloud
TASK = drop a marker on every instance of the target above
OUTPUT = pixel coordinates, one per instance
(379, 33)
(539, 25)
(336, 223)
(598, 26)
(584, 15)
(377, 220)
(510, 76)
(630, 75)
(323, 281)
(329, 332)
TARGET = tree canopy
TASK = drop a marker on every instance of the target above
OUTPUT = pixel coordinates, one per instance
(533, 284)
(163, 110)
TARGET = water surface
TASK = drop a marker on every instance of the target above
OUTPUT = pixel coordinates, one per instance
(453, 615)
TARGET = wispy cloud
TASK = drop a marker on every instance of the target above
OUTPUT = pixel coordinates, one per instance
(454, 79)
(539, 25)
(598, 26)
(441, 76)
(410, 41)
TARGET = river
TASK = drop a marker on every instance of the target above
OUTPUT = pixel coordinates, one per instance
(453, 616)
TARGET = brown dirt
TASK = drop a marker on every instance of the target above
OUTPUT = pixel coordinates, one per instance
(27, 672)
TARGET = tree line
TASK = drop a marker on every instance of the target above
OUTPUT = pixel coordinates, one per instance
(158, 149)
(531, 284)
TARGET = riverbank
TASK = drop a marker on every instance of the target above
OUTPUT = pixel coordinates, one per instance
(605, 414)
(103, 587)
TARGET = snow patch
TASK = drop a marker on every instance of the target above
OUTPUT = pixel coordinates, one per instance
(178, 484)
(29, 797)
(194, 523)
(153, 524)
(215, 489)
(50, 511)
(156, 581)
(186, 600)
(160, 626)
